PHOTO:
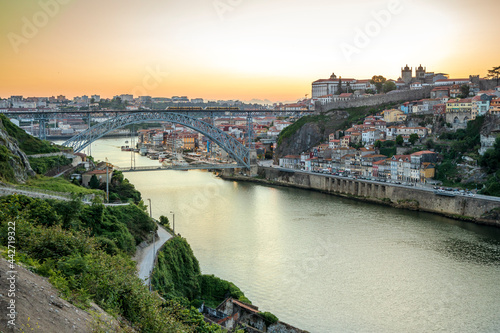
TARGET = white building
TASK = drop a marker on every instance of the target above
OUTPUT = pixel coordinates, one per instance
(324, 87)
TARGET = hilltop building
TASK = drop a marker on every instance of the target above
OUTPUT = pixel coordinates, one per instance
(421, 75)
(324, 87)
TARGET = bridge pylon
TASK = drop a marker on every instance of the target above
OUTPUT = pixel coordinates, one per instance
(253, 169)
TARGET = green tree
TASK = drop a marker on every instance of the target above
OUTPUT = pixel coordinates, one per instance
(389, 86)
(399, 140)
(348, 87)
(491, 158)
(465, 90)
(494, 74)
(413, 138)
(94, 182)
(339, 87)
(430, 144)
(378, 144)
(164, 221)
(378, 81)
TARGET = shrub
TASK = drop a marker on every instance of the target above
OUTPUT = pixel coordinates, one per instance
(269, 318)
(177, 273)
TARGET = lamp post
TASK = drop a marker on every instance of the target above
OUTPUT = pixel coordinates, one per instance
(107, 181)
(173, 221)
(154, 246)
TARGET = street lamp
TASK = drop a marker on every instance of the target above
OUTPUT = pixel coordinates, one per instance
(154, 246)
(173, 221)
(150, 215)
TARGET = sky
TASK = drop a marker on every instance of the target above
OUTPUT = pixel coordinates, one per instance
(234, 49)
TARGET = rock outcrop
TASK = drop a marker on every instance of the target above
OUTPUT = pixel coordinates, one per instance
(14, 156)
(311, 134)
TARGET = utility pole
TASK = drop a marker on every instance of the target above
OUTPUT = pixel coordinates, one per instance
(173, 221)
(154, 247)
(107, 181)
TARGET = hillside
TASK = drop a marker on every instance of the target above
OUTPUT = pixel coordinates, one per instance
(78, 271)
(14, 164)
(40, 309)
(309, 131)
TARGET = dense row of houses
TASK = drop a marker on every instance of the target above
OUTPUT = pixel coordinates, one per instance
(446, 101)
(418, 167)
(177, 137)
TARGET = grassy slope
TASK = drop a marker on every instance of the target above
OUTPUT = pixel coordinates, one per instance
(59, 185)
(54, 239)
(29, 144)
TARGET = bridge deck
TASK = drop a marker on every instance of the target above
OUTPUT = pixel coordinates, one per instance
(182, 167)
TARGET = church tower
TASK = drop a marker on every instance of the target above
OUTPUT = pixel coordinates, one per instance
(420, 73)
(406, 74)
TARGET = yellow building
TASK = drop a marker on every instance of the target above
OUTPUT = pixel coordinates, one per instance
(459, 105)
(427, 171)
(394, 116)
(459, 111)
(188, 141)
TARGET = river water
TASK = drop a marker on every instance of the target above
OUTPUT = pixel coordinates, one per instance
(327, 264)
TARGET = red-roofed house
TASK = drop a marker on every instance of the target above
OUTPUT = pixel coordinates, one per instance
(100, 174)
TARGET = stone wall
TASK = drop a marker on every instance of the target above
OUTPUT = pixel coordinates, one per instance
(463, 207)
(488, 84)
(394, 96)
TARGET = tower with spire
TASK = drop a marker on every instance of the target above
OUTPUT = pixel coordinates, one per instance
(407, 74)
(420, 73)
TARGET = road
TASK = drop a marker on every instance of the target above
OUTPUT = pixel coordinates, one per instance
(145, 257)
(42, 195)
(419, 186)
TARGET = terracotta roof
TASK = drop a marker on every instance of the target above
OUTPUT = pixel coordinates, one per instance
(419, 153)
(96, 172)
(246, 306)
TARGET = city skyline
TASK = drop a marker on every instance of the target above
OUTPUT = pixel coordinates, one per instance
(234, 49)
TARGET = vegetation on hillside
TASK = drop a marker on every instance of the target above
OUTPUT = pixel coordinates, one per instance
(177, 276)
(120, 189)
(42, 165)
(491, 162)
(59, 184)
(355, 115)
(453, 146)
(293, 128)
(6, 170)
(29, 144)
(85, 252)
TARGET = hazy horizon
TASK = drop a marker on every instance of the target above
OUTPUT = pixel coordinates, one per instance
(234, 49)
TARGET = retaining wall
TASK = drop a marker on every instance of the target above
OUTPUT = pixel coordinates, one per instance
(460, 207)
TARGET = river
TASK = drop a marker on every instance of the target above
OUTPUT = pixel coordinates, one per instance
(328, 264)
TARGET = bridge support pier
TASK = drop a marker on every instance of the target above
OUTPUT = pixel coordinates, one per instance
(254, 168)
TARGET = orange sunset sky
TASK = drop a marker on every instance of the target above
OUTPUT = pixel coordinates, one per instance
(234, 49)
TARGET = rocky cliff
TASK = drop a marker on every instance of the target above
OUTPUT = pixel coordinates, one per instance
(316, 129)
(13, 161)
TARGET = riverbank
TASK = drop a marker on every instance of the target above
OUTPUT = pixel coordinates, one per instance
(471, 209)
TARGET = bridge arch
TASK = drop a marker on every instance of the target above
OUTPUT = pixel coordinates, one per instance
(232, 146)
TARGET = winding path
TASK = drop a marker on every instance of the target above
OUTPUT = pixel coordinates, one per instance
(145, 257)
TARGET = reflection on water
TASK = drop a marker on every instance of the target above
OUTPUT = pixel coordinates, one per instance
(474, 252)
(327, 264)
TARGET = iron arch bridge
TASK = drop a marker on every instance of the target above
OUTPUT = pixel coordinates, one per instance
(233, 147)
